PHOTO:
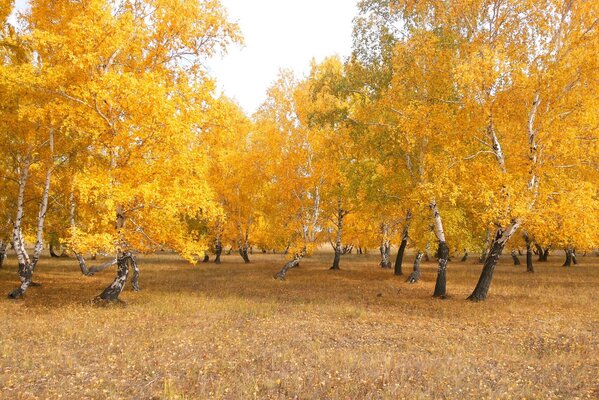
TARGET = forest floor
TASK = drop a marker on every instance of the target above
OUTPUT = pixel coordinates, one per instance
(233, 332)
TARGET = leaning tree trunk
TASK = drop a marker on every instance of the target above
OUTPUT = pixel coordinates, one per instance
(124, 259)
(402, 246)
(112, 292)
(573, 256)
(89, 271)
(3, 246)
(568, 261)
(515, 257)
(25, 268)
(243, 252)
(497, 246)
(465, 258)
(52, 252)
(442, 253)
(293, 263)
(415, 275)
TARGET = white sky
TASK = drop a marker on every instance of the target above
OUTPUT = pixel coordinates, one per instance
(278, 34)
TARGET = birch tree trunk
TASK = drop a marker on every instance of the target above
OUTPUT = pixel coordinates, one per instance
(52, 252)
(244, 244)
(3, 246)
(442, 253)
(402, 246)
(568, 261)
(500, 240)
(243, 252)
(385, 247)
(483, 255)
(123, 259)
(339, 237)
(41, 218)
(293, 263)
(112, 292)
(25, 268)
(415, 275)
(529, 265)
(515, 258)
(218, 250)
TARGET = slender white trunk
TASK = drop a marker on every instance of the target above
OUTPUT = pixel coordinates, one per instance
(497, 150)
(41, 218)
(19, 245)
(25, 270)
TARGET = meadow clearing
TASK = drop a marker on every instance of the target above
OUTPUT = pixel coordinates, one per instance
(231, 331)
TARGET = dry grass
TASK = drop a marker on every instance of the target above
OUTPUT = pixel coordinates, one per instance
(233, 332)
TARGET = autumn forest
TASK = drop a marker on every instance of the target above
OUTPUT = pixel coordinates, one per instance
(451, 159)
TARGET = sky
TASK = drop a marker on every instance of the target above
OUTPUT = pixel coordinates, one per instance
(278, 34)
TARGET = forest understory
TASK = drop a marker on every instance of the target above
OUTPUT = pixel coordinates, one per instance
(231, 331)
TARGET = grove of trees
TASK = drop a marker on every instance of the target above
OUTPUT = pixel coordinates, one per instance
(463, 126)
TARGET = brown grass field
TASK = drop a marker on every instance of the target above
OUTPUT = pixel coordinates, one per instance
(233, 332)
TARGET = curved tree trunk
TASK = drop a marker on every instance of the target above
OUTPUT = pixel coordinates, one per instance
(515, 257)
(93, 270)
(484, 283)
(112, 292)
(573, 256)
(124, 259)
(402, 246)
(52, 252)
(293, 263)
(568, 261)
(465, 258)
(243, 252)
(400, 254)
(415, 275)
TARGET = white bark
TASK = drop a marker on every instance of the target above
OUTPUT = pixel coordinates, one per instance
(439, 232)
(18, 243)
(41, 218)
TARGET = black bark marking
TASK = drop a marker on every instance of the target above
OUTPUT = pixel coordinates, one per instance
(441, 283)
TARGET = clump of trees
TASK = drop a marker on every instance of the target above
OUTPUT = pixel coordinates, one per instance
(451, 129)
